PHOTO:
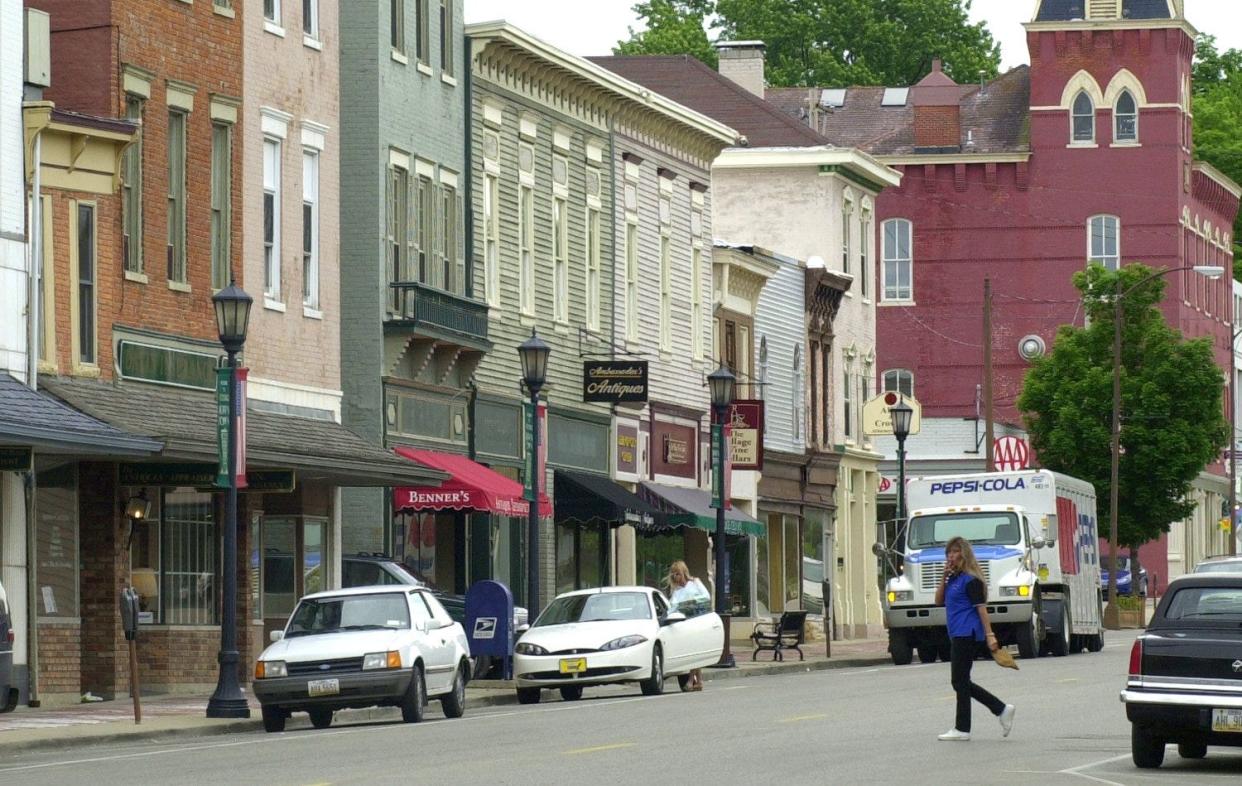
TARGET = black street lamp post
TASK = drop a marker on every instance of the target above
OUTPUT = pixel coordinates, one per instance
(534, 354)
(721, 382)
(901, 413)
(232, 307)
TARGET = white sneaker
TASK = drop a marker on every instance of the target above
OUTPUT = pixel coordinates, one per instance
(1006, 719)
(953, 735)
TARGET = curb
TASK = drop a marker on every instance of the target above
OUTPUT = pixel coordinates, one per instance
(497, 698)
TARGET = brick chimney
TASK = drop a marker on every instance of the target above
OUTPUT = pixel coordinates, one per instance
(742, 62)
(937, 111)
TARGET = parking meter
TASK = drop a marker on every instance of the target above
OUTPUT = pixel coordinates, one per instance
(129, 613)
(489, 621)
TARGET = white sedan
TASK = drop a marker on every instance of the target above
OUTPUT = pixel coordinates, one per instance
(363, 647)
(613, 634)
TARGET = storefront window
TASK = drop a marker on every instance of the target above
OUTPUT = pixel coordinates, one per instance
(793, 564)
(763, 545)
(508, 552)
(737, 548)
(420, 546)
(655, 553)
(57, 541)
(190, 557)
(813, 561)
(144, 556)
(313, 566)
(581, 559)
(256, 569)
(279, 576)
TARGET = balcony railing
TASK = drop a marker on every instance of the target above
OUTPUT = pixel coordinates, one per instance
(420, 307)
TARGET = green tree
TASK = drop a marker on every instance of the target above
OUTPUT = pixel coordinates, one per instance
(830, 42)
(1173, 421)
(1218, 116)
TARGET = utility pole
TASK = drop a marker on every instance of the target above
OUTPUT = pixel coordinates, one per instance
(988, 432)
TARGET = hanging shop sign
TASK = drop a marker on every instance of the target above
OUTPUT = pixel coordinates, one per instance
(15, 459)
(627, 449)
(746, 439)
(614, 381)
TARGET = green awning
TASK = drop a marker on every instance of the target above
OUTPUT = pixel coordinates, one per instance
(681, 507)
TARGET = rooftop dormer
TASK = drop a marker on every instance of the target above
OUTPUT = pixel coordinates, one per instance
(1107, 10)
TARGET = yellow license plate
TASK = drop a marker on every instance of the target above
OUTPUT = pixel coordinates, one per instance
(1227, 720)
(573, 665)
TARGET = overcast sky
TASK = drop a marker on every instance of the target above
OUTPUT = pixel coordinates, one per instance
(592, 27)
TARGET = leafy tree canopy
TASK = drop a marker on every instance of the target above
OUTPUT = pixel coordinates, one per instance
(1218, 116)
(1173, 421)
(827, 42)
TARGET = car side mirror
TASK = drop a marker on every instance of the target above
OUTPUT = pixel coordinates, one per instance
(276, 635)
(521, 629)
(673, 617)
(1038, 543)
(422, 626)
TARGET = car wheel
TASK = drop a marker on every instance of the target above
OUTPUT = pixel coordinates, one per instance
(414, 705)
(654, 685)
(1028, 639)
(1191, 750)
(683, 682)
(320, 719)
(454, 703)
(1146, 749)
(528, 695)
(571, 693)
(899, 647)
(274, 719)
(1059, 644)
(928, 653)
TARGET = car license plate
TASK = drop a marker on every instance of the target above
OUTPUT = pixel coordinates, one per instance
(573, 665)
(323, 687)
(1227, 720)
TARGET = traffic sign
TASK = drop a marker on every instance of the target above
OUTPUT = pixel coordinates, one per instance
(876, 419)
(1011, 454)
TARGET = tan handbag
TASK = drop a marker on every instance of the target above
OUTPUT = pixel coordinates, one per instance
(1004, 659)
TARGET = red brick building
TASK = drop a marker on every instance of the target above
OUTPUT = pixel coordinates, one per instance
(1084, 156)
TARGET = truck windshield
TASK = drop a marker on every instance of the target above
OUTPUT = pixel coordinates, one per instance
(993, 529)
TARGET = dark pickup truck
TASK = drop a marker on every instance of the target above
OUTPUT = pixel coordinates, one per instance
(1185, 682)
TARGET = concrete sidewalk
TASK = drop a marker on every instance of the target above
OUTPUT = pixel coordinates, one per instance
(171, 717)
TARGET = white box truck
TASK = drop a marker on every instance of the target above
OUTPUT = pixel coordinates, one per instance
(1035, 534)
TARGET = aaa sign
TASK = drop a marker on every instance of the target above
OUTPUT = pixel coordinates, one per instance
(876, 418)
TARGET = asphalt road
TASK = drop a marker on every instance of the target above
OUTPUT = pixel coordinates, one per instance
(845, 726)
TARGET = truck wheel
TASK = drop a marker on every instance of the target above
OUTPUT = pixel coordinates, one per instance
(928, 652)
(1095, 642)
(899, 647)
(1028, 639)
(1059, 643)
(1146, 749)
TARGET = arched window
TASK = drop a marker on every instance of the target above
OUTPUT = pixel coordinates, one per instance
(898, 259)
(899, 380)
(1104, 241)
(1125, 118)
(798, 392)
(1083, 118)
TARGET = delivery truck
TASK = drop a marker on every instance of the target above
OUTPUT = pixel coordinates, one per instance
(1035, 535)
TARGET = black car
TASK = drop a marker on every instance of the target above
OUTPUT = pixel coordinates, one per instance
(8, 693)
(1185, 683)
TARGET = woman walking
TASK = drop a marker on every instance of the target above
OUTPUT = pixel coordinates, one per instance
(687, 595)
(963, 593)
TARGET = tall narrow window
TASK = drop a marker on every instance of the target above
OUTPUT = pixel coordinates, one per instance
(696, 303)
(898, 262)
(271, 10)
(1104, 241)
(491, 237)
(446, 37)
(397, 229)
(847, 420)
(271, 218)
(592, 267)
(631, 282)
(825, 396)
(310, 18)
(131, 192)
(396, 25)
(864, 246)
(1083, 118)
(85, 270)
(797, 393)
(666, 295)
(449, 258)
(899, 380)
(847, 210)
(426, 227)
(818, 392)
(310, 229)
(176, 197)
(1125, 118)
(424, 32)
(526, 239)
(560, 260)
(221, 203)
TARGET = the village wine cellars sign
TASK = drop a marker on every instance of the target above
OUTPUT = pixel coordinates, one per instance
(614, 381)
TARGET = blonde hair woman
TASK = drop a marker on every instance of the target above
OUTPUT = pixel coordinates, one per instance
(685, 593)
(964, 594)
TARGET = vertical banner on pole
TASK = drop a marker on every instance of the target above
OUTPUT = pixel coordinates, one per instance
(721, 485)
(223, 391)
(239, 388)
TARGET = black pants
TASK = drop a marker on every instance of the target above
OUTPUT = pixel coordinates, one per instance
(963, 652)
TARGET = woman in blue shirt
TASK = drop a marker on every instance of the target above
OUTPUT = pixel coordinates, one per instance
(964, 595)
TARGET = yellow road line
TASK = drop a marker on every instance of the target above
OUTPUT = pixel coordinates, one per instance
(599, 748)
(797, 718)
(1068, 679)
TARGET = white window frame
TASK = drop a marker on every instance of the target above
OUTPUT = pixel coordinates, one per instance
(1075, 115)
(491, 237)
(447, 49)
(847, 211)
(847, 400)
(310, 19)
(526, 250)
(397, 212)
(132, 225)
(696, 301)
(271, 245)
(84, 356)
(666, 293)
(560, 259)
(1100, 254)
(396, 28)
(1118, 139)
(221, 207)
(864, 246)
(892, 380)
(274, 15)
(593, 282)
(631, 281)
(902, 290)
(310, 256)
(175, 250)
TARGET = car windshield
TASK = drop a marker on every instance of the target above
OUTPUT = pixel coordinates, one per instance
(992, 529)
(1206, 604)
(349, 612)
(596, 607)
(1224, 566)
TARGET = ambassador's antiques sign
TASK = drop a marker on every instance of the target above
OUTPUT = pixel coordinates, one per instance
(614, 381)
(746, 440)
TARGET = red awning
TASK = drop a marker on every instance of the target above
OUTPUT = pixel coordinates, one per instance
(471, 486)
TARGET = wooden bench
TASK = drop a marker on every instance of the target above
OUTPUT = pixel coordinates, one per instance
(785, 633)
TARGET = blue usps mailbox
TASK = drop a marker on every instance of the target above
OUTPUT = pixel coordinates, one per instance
(489, 621)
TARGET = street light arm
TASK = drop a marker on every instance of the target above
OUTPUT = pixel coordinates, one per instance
(1166, 271)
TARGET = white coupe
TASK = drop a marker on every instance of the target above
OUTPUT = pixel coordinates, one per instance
(613, 634)
(362, 647)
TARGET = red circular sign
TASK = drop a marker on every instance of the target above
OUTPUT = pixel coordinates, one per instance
(1011, 454)
(890, 398)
